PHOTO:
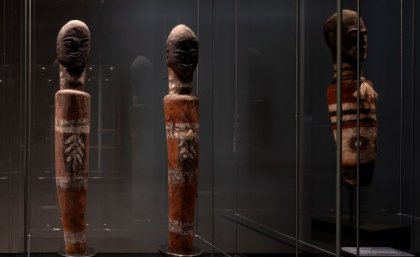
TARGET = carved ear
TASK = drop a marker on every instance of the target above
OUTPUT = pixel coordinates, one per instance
(57, 49)
(167, 54)
(331, 40)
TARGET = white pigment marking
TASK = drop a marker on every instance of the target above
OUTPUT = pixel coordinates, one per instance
(349, 154)
(73, 126)
(180, 177)
(182, 130)
(350, 117)
(351, 106)
(71, 182)
(74, 237)
(74, 151)
(181, 228)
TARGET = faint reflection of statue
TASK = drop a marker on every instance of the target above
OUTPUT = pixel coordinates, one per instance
(368, 124)
(142, 138)
(140, 110)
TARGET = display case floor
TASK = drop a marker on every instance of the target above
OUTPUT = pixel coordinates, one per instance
(371, 234)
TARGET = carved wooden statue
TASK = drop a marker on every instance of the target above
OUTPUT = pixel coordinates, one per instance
(368, 96)
(181, 116)
(72, 125)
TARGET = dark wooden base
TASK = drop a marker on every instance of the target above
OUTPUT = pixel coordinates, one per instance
(195, 252)
(90, 252)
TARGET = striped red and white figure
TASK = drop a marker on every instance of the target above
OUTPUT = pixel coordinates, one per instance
(72, 129)
(181, 109)
(367, 127)
(353, 29)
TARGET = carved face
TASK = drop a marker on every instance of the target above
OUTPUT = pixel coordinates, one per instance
(73, 46)
(182, 52)
(349, 40)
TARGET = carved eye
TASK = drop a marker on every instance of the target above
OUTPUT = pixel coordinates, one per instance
(68, 42)
(193, 52)
(179, 54)
(84, 41)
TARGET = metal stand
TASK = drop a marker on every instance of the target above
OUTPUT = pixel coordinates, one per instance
(195, 252)
(89, 253)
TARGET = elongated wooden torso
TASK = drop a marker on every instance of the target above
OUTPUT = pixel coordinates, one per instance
(181, 116)
(72, 123)
(368, 132)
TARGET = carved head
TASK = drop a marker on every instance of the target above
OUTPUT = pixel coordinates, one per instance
(349, 36)
(73, 46)
(182, 52)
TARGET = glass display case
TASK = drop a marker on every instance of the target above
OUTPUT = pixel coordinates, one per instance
(270, 170)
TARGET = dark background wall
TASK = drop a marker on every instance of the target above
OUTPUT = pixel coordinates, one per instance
(267, 153)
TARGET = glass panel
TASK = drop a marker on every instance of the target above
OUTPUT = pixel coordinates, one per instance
(205, 91)
(224, 93)
(255, 173)
(414, 17)
(317, 184)
(388, 68)
(12, 113)
(265, 122)
(386, 195)
(380, 199)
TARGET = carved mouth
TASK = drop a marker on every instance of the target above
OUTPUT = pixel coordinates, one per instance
(187, 69)
(75, 55)
(187, 73)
